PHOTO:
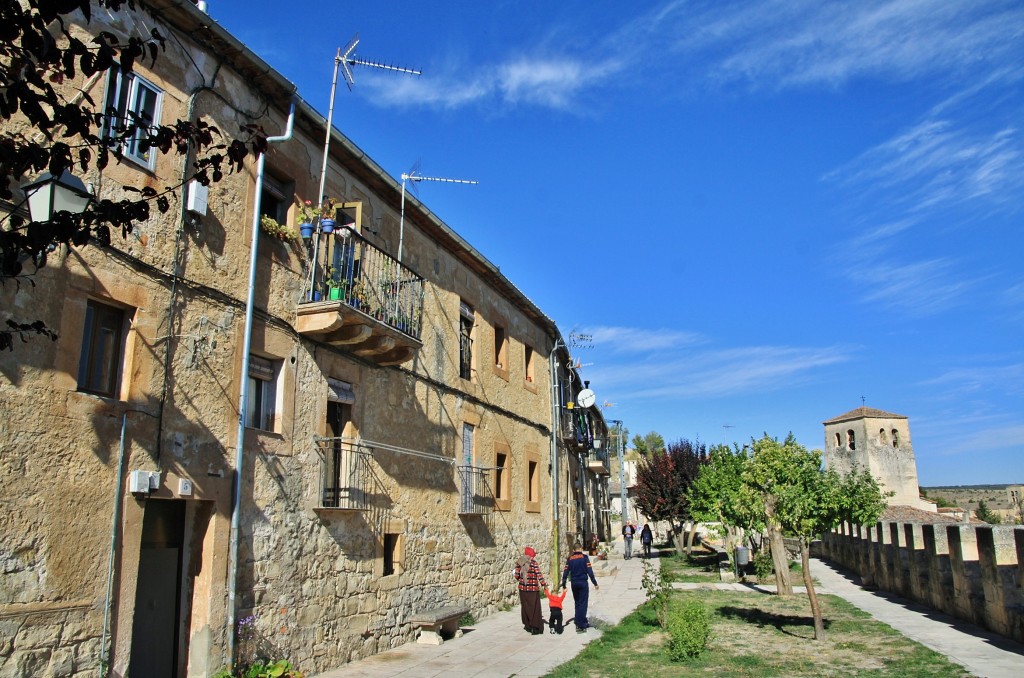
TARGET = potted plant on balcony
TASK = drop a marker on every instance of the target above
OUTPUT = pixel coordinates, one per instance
(359, 296)
(335, 285)
(304, 217)
(327, 216)
(270, 226)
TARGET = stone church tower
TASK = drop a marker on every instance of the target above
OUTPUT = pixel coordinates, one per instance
(879, 442)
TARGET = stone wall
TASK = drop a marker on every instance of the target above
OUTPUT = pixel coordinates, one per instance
(312, 578)
(971, 572)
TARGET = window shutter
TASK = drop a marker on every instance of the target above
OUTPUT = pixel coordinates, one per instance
(340, 392)
(261, 368)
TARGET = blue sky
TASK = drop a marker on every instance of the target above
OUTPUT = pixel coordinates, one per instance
(760, 211)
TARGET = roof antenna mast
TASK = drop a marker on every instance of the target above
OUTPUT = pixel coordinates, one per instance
(344, 61)
(413, 176)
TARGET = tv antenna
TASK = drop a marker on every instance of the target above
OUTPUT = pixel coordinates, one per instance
(344, 60)
(581, 341)
(412, 177)
(347, 58)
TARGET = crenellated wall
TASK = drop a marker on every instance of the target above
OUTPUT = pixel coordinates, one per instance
(971, 572)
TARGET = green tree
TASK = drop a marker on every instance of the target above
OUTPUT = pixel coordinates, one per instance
(649, 444)
(717, 495)
(803, 501)
(983, 512)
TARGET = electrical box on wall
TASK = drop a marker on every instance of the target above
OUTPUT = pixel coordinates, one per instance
(197, 197)
(143, 482)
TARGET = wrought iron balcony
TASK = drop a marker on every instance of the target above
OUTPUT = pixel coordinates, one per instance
(359, 297)
(344, 474)
(475, 496)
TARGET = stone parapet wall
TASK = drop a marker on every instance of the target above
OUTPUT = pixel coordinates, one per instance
(971, 572)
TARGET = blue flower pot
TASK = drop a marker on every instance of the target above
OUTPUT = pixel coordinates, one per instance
(327, 225)
(306, 230)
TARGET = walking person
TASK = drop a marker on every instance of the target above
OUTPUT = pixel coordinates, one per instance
(646, 537)
(555, 606)
(578, 568)
(531, 582)
(628, 530)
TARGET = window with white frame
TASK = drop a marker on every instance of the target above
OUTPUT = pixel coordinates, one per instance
(261, 396)
(132, 103)
(103, 341)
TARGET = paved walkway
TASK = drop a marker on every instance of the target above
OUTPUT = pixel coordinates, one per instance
(497, 646)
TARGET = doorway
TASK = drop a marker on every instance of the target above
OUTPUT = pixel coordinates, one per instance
(156, 622)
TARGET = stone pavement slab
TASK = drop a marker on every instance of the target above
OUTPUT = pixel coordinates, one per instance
(497, 646)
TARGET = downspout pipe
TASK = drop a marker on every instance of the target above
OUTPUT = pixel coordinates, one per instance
(556, 528)
(115, 530)
(236, 505)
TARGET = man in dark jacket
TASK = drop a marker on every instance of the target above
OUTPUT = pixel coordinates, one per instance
(578, 568)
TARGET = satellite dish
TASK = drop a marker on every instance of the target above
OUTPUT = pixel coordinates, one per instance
(586, 398)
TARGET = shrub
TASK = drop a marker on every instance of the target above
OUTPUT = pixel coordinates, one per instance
(689, 628)
(764, 568)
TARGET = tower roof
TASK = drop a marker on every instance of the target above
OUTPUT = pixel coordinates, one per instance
(864, 413)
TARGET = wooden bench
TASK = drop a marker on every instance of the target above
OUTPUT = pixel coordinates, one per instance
(438, 623)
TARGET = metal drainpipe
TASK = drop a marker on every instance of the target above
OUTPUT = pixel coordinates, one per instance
(105, 662)
(555, 521)
(244, 379)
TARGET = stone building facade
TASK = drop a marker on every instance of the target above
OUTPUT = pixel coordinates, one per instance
(400, 440)
(879, 442)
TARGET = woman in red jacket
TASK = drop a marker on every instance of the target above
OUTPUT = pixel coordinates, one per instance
(531, 582)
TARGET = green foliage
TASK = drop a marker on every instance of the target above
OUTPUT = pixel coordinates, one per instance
(764, 568)
(270, 226)
(985, 513)
(281, 668)
(718, 493)
(650, 444)
(689, 629)
(467, 619)
(657, 582)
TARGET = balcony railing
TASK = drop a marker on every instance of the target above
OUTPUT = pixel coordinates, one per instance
(574, 427)
(475, 496)
(344, 474)
(359, 296)
(597, 462)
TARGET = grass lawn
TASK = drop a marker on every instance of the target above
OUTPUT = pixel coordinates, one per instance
(756, 634)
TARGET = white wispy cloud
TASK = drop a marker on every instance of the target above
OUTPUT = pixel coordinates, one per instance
(557, 82)
(1005, 378)
(920, 288)
(659, 369)
(776, 44)
(970, 441)
(785, 43)
(935, 164)
(640, 340)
